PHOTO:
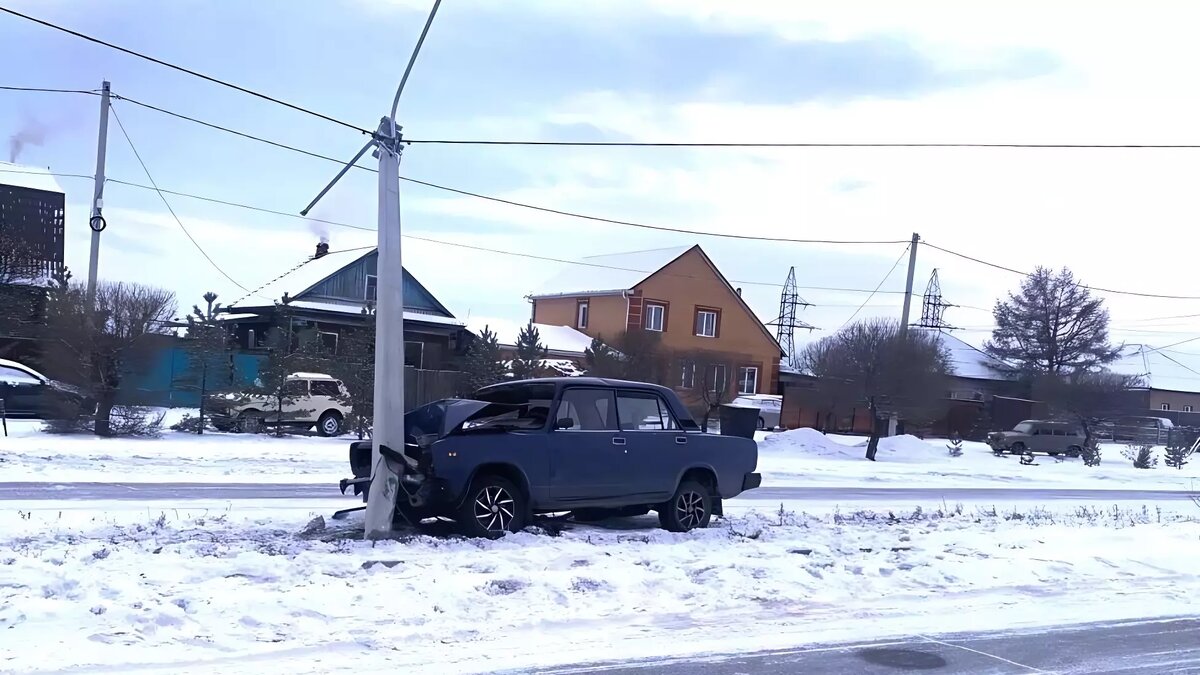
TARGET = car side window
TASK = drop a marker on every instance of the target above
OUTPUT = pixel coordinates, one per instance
(325, 388)
(588, 410)
(15, 376)
(295, 388)
(643, 411)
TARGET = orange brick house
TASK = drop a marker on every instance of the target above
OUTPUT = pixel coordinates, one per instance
(715, 338)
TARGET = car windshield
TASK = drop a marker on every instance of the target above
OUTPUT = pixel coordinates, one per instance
(1023, 428)
(519, 406)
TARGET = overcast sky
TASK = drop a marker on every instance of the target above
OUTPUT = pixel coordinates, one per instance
(653, 70)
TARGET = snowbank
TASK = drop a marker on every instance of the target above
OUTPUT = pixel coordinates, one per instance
(810, 442)
(808, 457)
(234, 594)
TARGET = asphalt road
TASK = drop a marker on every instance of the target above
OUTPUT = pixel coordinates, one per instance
(1158, 647)
(181, 490)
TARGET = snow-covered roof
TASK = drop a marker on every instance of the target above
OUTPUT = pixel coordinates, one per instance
(346, 308)
(32, 177)
(300, 279)
(972, 362)
(557, 339)
(1164, 369)
(608, 273)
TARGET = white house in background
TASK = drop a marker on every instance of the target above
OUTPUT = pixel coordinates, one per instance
(564, 345)
(1171, 379)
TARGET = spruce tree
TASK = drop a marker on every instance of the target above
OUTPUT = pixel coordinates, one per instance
(530, 353)
(1175, 456)
(482, 365)
(208, 348)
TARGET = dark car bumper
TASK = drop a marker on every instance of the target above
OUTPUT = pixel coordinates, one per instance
(751, 481)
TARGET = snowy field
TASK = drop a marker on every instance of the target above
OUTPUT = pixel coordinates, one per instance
(28, 454)
(802, 457)
(243, 589)
(807, 457)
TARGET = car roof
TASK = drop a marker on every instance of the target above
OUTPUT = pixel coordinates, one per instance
(580, 382)
(22, 367)
(310, 376)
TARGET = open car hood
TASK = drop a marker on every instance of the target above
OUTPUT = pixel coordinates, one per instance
(441, 418)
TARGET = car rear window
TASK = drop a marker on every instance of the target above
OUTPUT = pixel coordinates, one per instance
(324, 388)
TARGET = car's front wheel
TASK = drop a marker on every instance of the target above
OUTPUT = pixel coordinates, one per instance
(1074, 451)
(493, 506)
(689, 508)
(330, 424)
(250, 422)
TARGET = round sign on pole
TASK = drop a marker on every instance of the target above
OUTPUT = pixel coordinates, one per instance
(97, 223)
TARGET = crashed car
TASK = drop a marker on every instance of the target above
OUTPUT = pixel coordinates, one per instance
(595, 447)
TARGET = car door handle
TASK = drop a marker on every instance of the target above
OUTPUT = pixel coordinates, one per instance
(681, 440)
(618, 441)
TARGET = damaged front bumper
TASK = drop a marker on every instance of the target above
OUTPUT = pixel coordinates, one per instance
(421, 495)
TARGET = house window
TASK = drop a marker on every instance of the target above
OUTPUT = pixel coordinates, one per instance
(707, 322)
(715, 377)
(687, 375)
(372, 287)
(328, 342)
(1187, 408)
(1165, 406)
(748, 380)
(656, 317)
(414, 354)
(581, 314)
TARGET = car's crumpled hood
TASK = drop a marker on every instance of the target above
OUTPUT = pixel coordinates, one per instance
(441, 418)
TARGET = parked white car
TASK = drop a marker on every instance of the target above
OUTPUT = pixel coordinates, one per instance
(769, 408)
(314, 401)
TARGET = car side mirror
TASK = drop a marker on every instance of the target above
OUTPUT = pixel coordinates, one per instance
(564, 423)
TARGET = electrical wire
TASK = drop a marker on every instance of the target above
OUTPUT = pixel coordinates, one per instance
(48, 173)
(1027, 274)
(880, 285)
(49, 90)
(508, 202)
(188, 71)
(685, 144)
(166, 203)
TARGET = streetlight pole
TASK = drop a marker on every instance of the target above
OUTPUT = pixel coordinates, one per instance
(96, 221)
(389, 408)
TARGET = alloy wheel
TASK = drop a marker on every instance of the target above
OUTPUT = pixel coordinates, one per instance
(494, 509)
(689, 507)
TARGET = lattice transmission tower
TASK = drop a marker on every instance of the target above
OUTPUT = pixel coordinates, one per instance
(933, 308)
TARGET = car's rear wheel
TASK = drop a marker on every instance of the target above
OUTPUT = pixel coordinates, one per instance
(689, 508)
(1017, 448)
(1074, 451)
(762, 424)
(493, 506)
(330, 424)
(250, 422)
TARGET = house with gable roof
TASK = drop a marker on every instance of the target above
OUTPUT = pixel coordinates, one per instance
(331, 293)
(716, 340)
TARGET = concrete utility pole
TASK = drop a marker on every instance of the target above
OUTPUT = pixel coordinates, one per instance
(912, 270)
(96, 220)
(389, 408)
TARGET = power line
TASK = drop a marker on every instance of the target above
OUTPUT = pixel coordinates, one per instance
(48, 173)
(832, 289)
(509, 202)
(685, 144)
(167, 203)
(189, 71)
(881, 283)
(1027, 274)
(49, 90)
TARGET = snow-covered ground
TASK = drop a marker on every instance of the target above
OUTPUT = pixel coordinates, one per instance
(802, 457)
(28, 454)
(242, 590)
(807, 457)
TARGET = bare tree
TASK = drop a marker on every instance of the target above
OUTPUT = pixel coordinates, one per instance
(97, 347)
(636, 355)
(873, 362)
(1088, 398)
(1052, 325)
(19, 263)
